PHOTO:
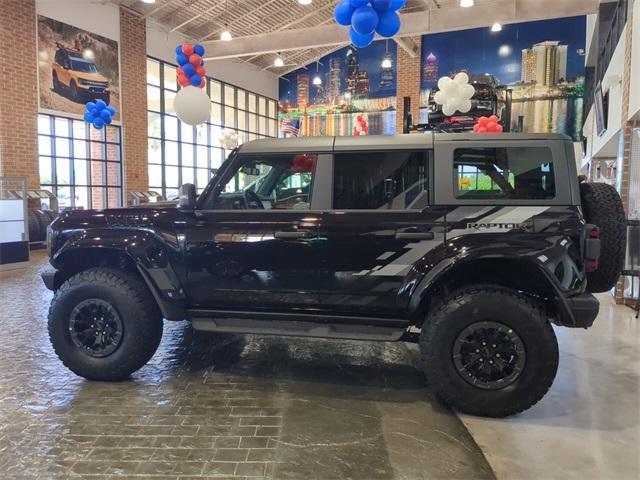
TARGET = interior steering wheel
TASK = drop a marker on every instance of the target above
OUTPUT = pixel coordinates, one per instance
(252, 200)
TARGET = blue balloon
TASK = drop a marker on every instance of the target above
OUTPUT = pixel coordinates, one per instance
(381, 5)
(90, 106)
(342, 13)
(182, 59)
(88, 117)
(389, 24)
(397, 4)
(358, 3)
(98, 123)
(111, 110)
(100, 105)
(364, 20)
(189, 69)
(108, 121)
(95, 113)
(179, 50)
(360, 40)
(198, 49)
(195, 80)
(105, 115)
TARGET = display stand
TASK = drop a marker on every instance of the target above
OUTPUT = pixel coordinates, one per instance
(14, 231)
(139, 197)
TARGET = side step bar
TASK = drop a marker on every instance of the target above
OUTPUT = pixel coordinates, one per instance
(299, 325)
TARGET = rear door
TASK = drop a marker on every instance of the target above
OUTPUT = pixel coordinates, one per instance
(380, 224)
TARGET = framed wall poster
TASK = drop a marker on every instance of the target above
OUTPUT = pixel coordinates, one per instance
(75, 66)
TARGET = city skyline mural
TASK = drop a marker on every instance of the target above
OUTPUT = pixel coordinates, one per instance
(531, 74)
(343, 89)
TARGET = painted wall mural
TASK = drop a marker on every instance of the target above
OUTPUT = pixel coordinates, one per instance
(346, 92)
(530, 74)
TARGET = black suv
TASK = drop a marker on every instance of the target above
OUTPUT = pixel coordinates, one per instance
(469, 245)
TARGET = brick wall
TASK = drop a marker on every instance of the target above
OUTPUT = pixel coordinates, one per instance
(408, 84)
(133, 88)
(19, 92)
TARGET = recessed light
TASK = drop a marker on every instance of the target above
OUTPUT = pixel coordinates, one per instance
(466, 3)
(278, 62)
(305, 2)
(225, 36)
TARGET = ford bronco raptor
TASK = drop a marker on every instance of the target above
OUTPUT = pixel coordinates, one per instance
(471, 246)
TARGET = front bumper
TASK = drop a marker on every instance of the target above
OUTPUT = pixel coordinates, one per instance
(580, 311)
(49, 279)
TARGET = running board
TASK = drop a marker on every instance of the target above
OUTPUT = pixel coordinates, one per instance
(267, 324)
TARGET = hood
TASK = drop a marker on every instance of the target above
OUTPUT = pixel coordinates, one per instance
(94, 77)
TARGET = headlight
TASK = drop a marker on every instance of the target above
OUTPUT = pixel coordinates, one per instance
(83, 81)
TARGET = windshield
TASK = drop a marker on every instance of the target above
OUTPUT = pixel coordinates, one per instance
(82, 66)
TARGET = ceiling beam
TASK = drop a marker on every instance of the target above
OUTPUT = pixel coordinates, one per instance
(413, 24)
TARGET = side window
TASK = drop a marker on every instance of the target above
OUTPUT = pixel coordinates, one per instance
(517, 173)
(278, 181)
(380, 180)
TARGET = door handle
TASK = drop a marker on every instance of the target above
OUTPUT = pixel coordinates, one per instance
(291, 234)
(414, 236)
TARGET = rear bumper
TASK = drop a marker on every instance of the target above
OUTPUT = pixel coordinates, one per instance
(580, 311)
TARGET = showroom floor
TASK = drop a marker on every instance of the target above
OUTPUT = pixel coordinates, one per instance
(245, 406)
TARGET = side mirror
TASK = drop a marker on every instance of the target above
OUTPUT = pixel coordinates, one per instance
(187, 197)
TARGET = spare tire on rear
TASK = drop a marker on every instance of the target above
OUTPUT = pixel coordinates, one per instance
(603, 207)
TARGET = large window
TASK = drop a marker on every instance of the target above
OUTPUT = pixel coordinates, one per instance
(79, 164)
(499, 173)
(380, 180)
(179, 153)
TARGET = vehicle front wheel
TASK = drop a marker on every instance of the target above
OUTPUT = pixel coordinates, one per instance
(104, 324)
(489, 351)
(56, 83)
(75, 92)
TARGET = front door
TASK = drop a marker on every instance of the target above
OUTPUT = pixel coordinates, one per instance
(254, 244)
(380, 225)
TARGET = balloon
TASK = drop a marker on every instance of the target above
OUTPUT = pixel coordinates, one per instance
(389, 24)
(198, 49)
(500, 128)
(189, 69)
(342, 13)
(195, 80)
(492, 126)
(105, 115)
(90, 106)
(111, 110)
(358, 3)
(195, 60)
(381, 5)
(461, 78)
(397, 4)
(468, 91)
(482, 129)
(108, 120)
(439, 97)
(444, 82)
(201, 71)
(203, 83)
(364, 20)
(179, 50)
(88, 117)
(448, 109)
(95, 112)
(183, 80)
(192, 105)
(187, 49)
(360, 41)
(100, 105)
(494, 118)
(182, 59)
(476, 127)
(465, 105)
(179, 71)
(98, 123)
(482, 121)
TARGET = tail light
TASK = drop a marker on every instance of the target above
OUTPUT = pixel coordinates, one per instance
(592, 248)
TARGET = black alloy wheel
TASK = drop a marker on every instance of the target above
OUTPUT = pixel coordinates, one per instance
(96, 327)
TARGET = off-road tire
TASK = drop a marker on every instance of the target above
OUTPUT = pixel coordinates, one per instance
(603, 207)
(43, 222)
(141, 319)
(34, 227)
(75, 93)
(489, 303)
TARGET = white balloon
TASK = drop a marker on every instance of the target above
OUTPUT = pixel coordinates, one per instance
(448, 109)
(444, 82)
(192, 105)
(229, 139)
(468, 91)
(464, 106)
(461, 78)
(439, 97)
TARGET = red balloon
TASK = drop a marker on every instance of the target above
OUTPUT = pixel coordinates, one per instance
(201, 71)
(187, 49)
(203, 82)
(492, 126)
(482, 129)
(494, 118)
(476, 127)
(482, 121)
(195, 60)
(183, 80)
(500, 128)
(179, 71)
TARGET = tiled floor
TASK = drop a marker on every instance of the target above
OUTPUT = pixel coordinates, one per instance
(220, 406)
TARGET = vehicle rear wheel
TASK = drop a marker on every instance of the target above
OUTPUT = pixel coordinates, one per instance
(489, 351)
(104, 324)
(603, 207)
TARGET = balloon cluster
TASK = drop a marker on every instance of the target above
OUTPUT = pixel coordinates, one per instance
(229, 139)
(488, 125)
(360, 128)
(454, 94)
(191, 70)
(368, 17)
(303, 163)
(99, 113)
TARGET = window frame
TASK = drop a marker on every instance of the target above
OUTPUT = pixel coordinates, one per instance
(430, 154)
(444, 172)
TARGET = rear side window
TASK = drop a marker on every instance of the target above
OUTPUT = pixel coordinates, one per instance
(518, 173)
(380, 180)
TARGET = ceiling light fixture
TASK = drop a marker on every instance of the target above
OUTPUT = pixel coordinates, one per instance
(386, 61)
(317, 80)
(466, 3)
(305, 2)
(225, 36)
(496, 27)
(278, 62)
